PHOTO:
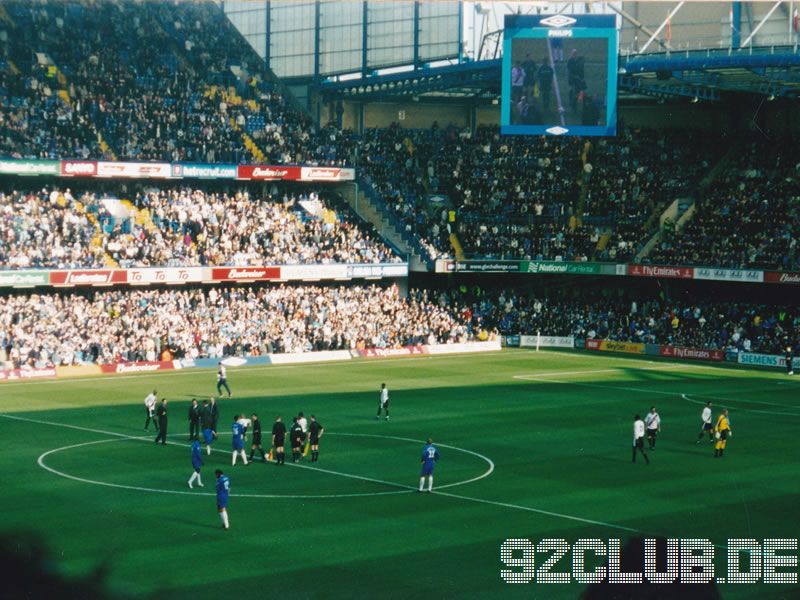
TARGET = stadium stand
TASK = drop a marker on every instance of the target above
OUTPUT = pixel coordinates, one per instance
(181, 226)
(147, 82)
(521, 197)
(749, 217)
(38, 330)
(627, 316)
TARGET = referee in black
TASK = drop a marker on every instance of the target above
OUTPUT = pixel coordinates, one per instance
(315, 431)
(194, 420)
(256, 442)
(278, 440)
(298, 438)
(161, 414)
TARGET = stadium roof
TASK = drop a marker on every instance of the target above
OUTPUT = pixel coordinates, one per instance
(770, 71)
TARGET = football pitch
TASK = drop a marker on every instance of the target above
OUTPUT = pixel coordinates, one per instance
(533, 445)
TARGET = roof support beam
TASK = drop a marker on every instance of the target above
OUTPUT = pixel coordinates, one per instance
(663, 24)
(736, 24)
(638, 24)
(761, 23)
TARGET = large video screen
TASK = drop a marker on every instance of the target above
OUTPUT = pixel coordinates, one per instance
(559, 75)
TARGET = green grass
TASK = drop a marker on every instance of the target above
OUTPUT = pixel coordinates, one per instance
(559, 441)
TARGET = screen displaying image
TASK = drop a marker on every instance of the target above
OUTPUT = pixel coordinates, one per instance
(559, 75)
(558, 81)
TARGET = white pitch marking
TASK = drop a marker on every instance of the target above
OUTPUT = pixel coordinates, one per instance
(750, 410)
(488, 472)
(590, 372)
(540, 511)
(406, 490)
(42, 464)
(121, 436)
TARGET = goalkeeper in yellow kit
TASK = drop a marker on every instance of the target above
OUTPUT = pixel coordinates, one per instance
(722, 431)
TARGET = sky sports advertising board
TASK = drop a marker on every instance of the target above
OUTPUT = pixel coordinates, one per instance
(559, 75)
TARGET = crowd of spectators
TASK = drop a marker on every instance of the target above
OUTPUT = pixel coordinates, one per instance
(749, 218)
(636, 175)
(155, 81)
(39, 330)
(521, 197)
(612, 314)
(180, 226)
(177, 82)
(46, 229)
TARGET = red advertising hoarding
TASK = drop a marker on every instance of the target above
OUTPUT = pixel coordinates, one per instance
(137, 367)
(777, 277)
(88, 277)
(79, 168)
(245, 273)
(269, 173)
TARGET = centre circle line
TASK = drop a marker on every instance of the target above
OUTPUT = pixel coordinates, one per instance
(406, 488)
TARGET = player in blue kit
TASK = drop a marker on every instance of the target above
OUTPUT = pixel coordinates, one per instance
(197, 463)
(430, 454)
(223, 488)
(238, 440)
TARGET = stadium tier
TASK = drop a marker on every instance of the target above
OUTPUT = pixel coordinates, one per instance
(181, 227)
(156, 81)
(602, 313)
(47, 330)
(532, 197)
(750, 217)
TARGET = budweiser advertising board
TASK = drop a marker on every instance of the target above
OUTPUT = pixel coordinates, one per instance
(137, 367)
(268, 173)
(776, 277)
(245, 273)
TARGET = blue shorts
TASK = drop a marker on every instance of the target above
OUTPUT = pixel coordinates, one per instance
(238, 444)
(427, 469)
(208, 435)
(196, 469)
(223, 505)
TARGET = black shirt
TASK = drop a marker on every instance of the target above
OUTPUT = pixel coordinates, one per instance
(194, 413)
(297, 432)
(315, 429)
(256, 431)
(162, 412)
(279, 429)
(206, 419)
